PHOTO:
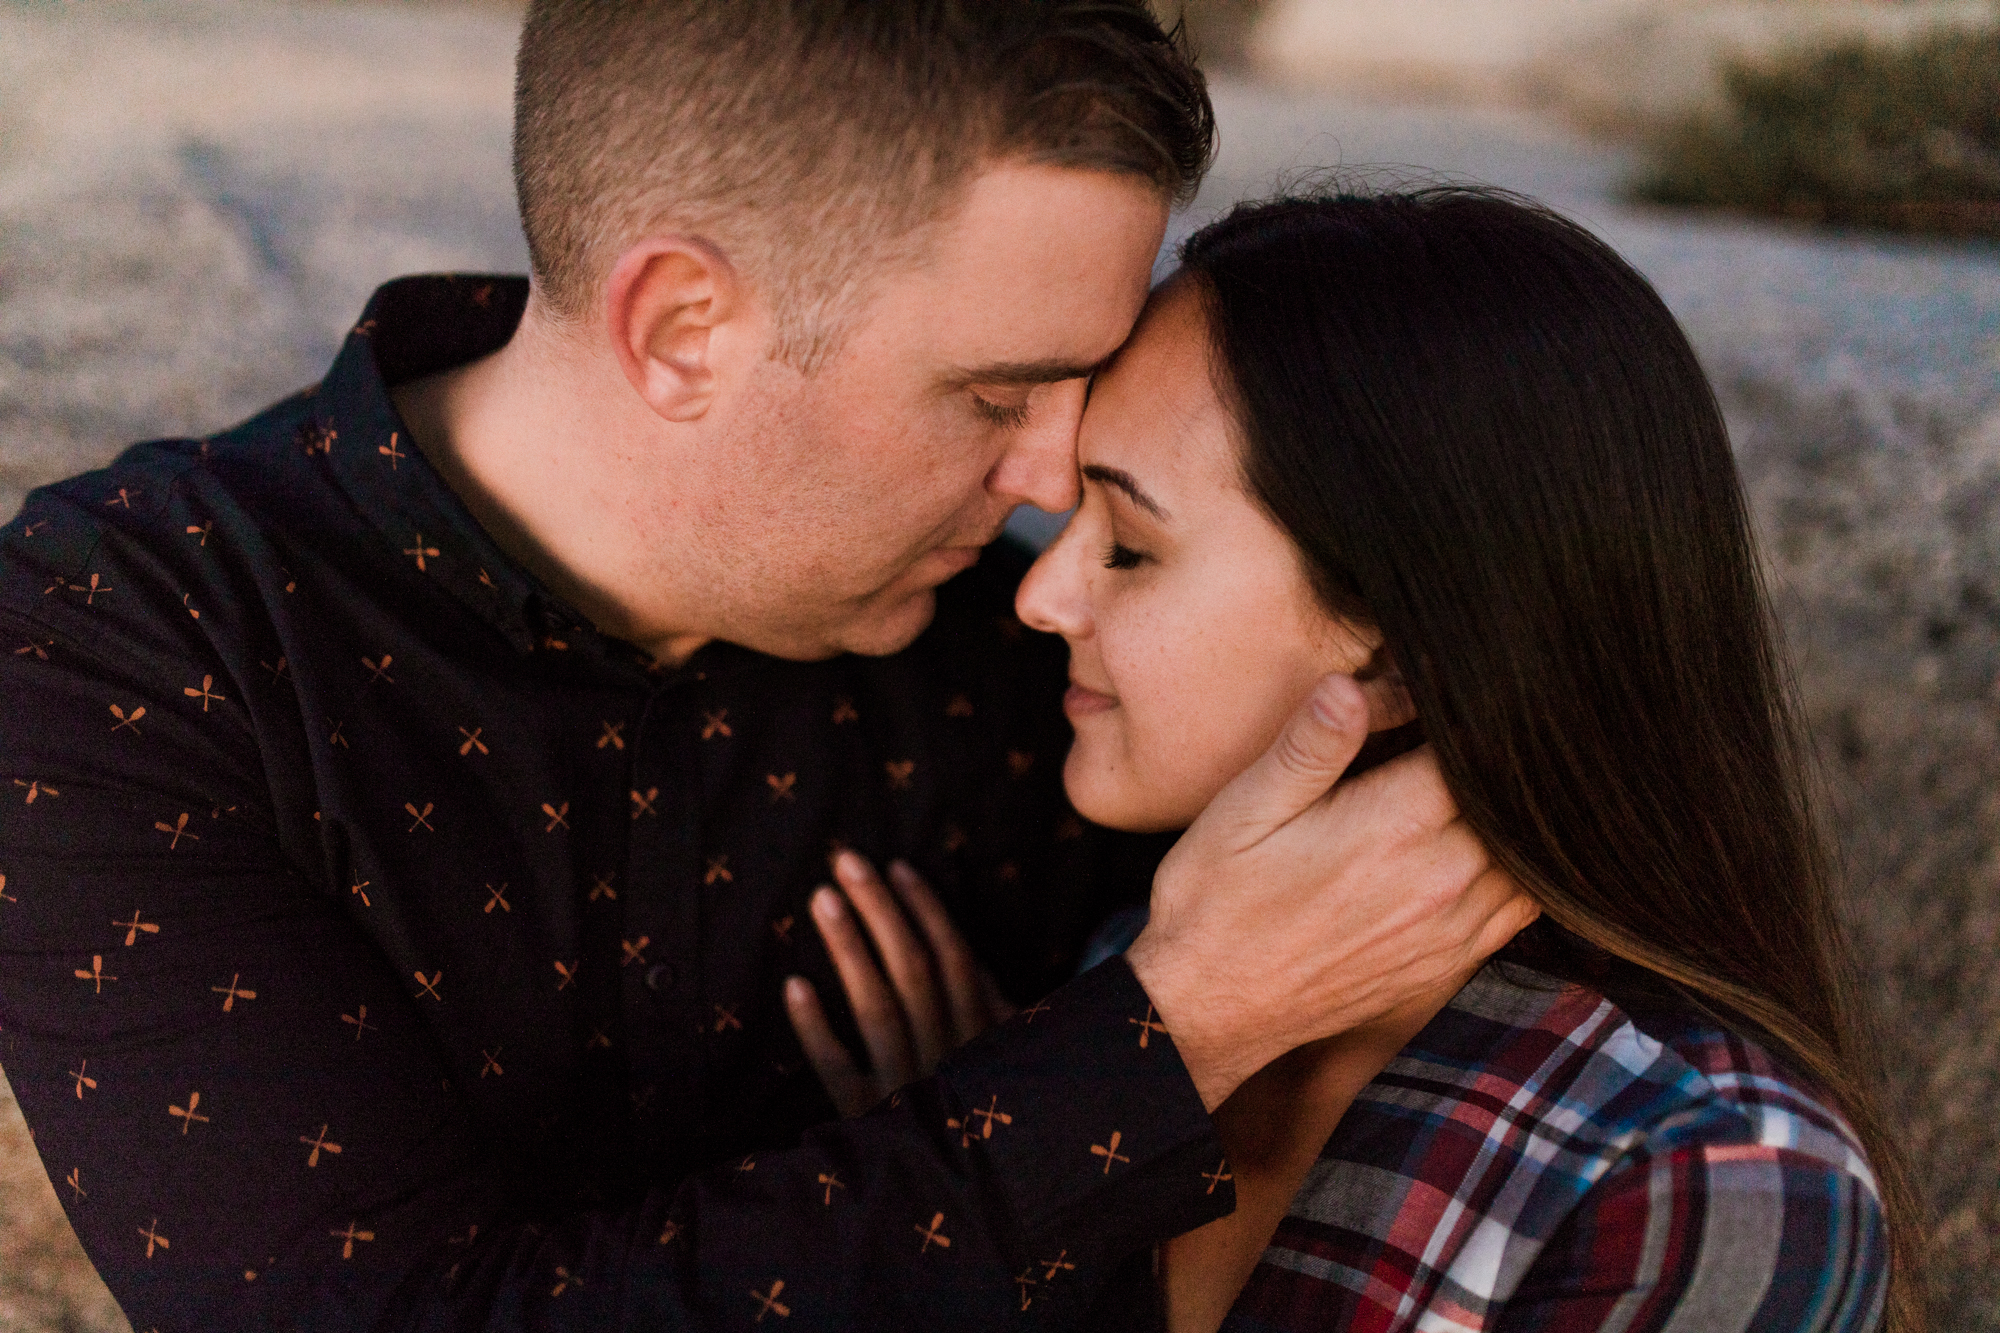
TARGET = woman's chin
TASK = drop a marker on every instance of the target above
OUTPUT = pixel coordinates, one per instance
(1106, 797)
(1091, 792)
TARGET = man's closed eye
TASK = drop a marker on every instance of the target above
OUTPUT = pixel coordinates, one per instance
(1010, 416)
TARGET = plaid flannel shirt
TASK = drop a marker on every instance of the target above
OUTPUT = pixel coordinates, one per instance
(1536, 1161)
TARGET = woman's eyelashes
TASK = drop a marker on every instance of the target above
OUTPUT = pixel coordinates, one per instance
(1001, 414)
(1119, 556)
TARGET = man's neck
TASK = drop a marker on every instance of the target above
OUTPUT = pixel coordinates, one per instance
(526, 440)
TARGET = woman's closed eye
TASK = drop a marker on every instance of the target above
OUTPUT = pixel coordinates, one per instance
(1119, 556)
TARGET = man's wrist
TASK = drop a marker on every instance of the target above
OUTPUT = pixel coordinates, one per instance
(1219, 1053)
(1082, 1081)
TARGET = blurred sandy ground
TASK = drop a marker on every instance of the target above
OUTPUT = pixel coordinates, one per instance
(196, 197)
(1611, 64)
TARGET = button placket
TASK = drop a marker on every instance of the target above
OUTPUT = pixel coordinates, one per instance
(661, 855)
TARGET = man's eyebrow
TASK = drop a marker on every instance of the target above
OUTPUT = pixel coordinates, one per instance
(1026, 372)
(1125, 482)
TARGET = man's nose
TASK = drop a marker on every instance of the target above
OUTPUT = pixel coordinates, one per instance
(1039, 466)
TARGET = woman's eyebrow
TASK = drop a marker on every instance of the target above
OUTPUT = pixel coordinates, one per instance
(1124, 481)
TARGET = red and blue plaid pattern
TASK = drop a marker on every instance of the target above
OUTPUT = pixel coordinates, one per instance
(1534, 1161)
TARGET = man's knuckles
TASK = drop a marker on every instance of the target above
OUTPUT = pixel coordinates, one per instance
(1412, 784)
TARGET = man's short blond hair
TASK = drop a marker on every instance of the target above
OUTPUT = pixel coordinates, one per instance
(812, 140)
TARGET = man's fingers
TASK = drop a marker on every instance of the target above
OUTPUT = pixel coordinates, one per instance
(1315, 748)
(1513, 912)
(1443, 874)
(1478, 921)
(905, 957)
(1410, 788)
(876, 1011)
(844, 1082)
(957, 971)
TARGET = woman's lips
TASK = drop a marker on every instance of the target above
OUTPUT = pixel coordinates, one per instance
(1081, 700)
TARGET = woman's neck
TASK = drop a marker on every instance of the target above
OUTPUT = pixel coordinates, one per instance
(1272, 1130)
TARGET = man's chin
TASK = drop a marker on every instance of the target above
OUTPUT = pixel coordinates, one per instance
(874, 632)
(891, 630)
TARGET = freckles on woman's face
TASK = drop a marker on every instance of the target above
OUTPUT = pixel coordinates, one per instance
(1193, 631)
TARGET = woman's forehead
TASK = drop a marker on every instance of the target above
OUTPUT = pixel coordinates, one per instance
(1154, 413)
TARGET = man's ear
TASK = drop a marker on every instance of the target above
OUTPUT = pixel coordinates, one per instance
(1389, 701)
(668, 302)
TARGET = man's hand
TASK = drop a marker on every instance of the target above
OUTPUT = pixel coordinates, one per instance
(1289, 912)
(934, 999)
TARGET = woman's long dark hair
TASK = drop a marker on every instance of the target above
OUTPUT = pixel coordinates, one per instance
(1489, 439)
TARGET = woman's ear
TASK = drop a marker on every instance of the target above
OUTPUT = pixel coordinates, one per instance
(667, 304)
(1389, 701)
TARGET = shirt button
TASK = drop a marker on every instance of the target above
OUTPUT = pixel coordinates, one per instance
(659, 977)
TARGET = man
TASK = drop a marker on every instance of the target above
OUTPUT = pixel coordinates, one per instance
(417, 790)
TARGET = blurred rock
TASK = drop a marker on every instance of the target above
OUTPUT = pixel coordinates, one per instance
(196, 197)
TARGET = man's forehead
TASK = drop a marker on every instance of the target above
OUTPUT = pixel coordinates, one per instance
(1035, 279)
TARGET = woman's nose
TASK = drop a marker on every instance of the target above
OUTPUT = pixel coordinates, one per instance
(1053, 597)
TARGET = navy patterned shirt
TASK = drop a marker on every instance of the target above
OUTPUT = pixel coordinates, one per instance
(381, 946)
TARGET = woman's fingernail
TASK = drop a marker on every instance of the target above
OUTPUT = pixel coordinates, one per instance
(826, 904)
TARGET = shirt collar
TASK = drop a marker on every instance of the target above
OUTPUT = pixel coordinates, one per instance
(423, 325)
(411, 328)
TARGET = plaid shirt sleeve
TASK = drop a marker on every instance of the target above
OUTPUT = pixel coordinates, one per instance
(1535, 1161)
(1707, 1236)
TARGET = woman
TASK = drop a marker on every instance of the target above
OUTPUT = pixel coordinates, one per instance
(1448, 444)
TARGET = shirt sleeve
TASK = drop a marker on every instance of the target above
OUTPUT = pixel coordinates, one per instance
(251, 1125)
(1708, 1236)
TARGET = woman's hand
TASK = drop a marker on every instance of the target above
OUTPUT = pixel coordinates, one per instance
(934, 999)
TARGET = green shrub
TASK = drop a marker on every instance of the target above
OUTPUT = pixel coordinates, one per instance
(1905, 138)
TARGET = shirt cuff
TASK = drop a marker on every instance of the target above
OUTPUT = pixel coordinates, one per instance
(1089, 1120)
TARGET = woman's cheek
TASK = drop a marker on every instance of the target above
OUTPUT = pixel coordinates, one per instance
(1130, 767)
